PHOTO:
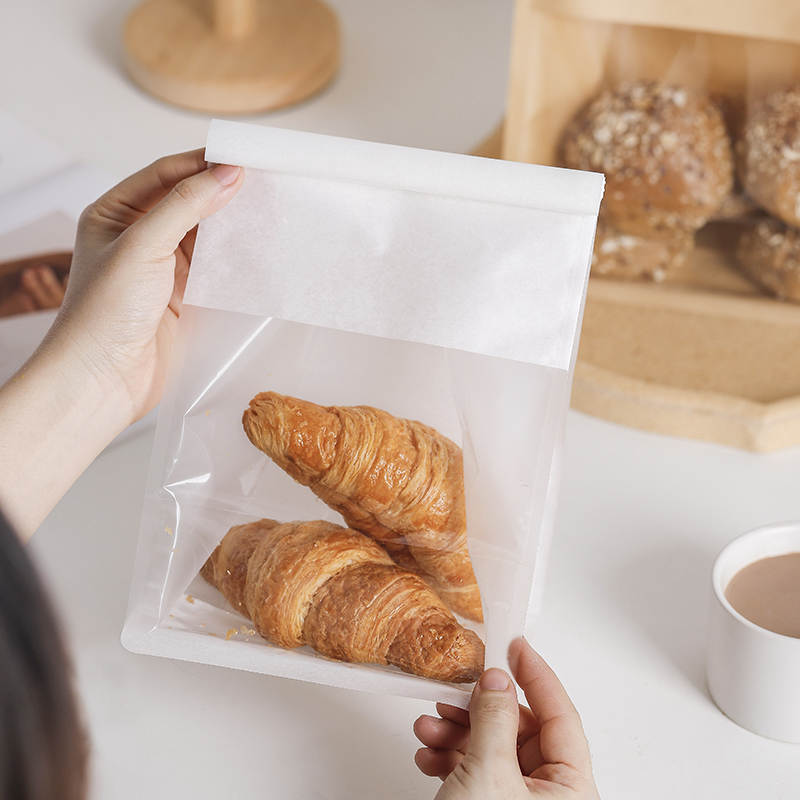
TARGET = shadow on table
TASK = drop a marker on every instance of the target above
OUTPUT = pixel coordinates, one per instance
(667, 592)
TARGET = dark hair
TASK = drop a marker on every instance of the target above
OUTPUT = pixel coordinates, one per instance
(43, 746)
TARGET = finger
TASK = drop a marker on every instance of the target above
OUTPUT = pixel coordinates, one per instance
(494, 719)
(187, 244)
(561, 737)
(528, 724)
(530, 756)
(159, 234)
(543, 690)
(529, 753)
(441, 734)
(131, 199)
(437, 763)
(455, 714)
(138, 193)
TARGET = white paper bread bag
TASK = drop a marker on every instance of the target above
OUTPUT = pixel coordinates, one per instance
(439, 288)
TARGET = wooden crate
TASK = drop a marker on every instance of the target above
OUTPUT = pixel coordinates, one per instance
(705, 354)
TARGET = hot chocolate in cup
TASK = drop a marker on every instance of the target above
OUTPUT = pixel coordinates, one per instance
(753, 665)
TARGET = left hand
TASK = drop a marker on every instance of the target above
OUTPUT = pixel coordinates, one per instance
(129, 272)
(103, 362)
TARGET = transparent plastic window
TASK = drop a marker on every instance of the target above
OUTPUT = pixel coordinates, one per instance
(293, 247)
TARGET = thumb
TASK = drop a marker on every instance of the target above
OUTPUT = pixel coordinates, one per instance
(494, 723)
(191, 200)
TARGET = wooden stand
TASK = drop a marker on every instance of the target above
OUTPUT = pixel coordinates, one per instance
(232, 56)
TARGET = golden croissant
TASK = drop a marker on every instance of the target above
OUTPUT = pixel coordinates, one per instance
(335, 589)
(399, 481)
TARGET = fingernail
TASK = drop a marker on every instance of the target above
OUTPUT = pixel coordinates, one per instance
(226, 174)
(495, 680)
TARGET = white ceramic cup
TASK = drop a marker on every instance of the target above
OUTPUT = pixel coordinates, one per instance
(754, 674)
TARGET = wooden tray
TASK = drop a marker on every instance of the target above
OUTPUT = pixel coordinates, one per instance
(704, 355)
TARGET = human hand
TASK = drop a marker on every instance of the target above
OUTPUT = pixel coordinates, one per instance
(499, 750)
(103, 362)
(129, 272)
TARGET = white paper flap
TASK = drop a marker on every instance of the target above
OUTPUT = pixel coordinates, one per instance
(491, 259)
(449, 174)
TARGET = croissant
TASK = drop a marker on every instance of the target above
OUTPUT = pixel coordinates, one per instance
(335, 589)
(396, 480)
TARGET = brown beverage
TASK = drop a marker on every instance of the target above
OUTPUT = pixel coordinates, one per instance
(767, 592)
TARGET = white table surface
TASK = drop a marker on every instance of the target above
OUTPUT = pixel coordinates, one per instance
(641, 516)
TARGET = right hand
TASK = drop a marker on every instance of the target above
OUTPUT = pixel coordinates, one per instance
(499, 750)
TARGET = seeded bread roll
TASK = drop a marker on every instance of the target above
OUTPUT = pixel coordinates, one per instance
(664, 150)
(768, 252)
(736, 207)
(768, 155)
(624, 255)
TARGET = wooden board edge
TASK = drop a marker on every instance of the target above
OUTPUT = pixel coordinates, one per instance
(705, 416)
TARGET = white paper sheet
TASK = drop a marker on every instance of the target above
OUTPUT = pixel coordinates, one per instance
(458, 251)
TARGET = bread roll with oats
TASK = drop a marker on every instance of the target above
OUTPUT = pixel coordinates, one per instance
(665, 152)
(768, 154)
(623, 255)
(768, 252)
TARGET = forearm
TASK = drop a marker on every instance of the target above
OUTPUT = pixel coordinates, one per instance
(103, 363)
(55, 418)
